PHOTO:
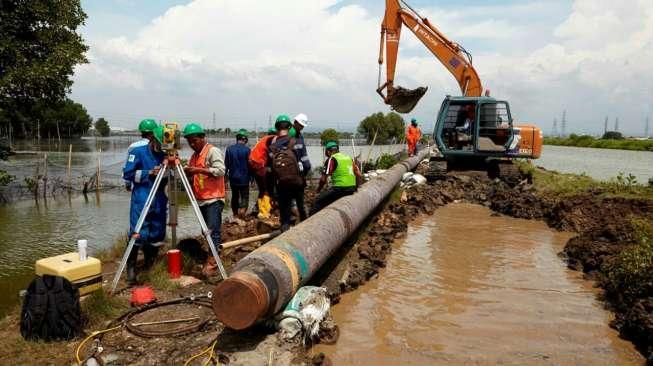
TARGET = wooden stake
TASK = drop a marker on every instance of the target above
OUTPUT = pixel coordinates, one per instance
(369, 152)
(70, 160)
(97, 177)
(45, 175)
(251, 239)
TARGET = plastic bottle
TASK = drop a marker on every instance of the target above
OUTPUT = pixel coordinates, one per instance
(82, 244)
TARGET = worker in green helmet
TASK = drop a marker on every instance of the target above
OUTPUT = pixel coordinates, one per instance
(288, 167)
(143, 165)
(344, 173)
(236, 161)
(146, 128)
(206, 171)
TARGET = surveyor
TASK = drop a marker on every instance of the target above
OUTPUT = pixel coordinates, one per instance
(206, 169)
(344, 173)
(287, 166)
(145, 127)
(235, 161)
(258, 165)
(143, 164)
(413, 135)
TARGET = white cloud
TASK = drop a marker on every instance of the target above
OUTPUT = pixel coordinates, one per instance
(245, 59)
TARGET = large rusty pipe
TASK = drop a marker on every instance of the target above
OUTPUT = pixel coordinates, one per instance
(266, 279)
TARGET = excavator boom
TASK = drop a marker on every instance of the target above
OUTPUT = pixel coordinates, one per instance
(450, 54)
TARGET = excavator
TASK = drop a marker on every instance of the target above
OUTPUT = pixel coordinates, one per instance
(471, 131)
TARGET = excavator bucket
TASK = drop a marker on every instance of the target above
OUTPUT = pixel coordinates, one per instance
(404, 100)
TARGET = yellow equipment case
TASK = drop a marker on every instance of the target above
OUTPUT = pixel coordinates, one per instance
(84, 275)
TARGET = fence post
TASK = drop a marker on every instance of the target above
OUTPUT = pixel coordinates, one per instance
(70, 160)
(45, 175)
(97, 177)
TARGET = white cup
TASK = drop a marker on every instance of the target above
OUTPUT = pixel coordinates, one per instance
(82, 244)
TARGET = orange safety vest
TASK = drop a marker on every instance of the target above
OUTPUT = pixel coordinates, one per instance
(413, 134)
(258, 157)
(205, 187)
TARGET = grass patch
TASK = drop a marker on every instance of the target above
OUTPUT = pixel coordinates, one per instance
(589, 141)
(630, 273)
(99, 307)
(158, 277)
(565, 185)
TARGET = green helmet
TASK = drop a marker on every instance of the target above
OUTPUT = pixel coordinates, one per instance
(331, 145)
(292, 132)
(413, 121)
(272, 131)
(282, 119)
(193, 129)
(242, 133)
(158, 133)
(147, 125)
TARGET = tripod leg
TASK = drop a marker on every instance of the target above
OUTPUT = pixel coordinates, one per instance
(139, 225)
(205, 230)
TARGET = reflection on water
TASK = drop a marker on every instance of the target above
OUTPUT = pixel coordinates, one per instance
(492, 293)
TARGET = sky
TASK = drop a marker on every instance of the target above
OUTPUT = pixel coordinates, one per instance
(246, 60)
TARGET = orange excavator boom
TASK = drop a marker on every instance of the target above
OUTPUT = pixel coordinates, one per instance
(454, 57)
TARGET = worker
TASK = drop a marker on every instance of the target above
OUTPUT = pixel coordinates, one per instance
(207, 169)
(146, 127)
(413, 135)
(258, 165)
(344, 174)
(236, 163)
(143, 164)
(287, 166)
(464, 123)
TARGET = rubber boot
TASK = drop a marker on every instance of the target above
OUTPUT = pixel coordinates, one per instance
(151, 253)
(131, 266)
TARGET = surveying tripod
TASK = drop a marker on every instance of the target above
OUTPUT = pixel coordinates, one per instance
(171, 165)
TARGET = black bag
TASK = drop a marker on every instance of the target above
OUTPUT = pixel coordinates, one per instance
(51, 310)
(285, 166)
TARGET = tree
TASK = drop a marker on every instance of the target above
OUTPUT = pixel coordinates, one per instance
(39, 48)
(102, 127)
(612, 135)
(384, 127)
(328, 135)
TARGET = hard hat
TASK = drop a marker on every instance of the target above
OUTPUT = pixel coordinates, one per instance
(158, 133)
(413, 120)
(301, 119)
(242, 132)
(272, 131)
(193, 129)
(331, 145)
(292, 132)
(282, 119)
(147, 125)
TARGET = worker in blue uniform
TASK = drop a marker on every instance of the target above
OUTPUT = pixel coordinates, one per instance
(146, 128)
(142, 166)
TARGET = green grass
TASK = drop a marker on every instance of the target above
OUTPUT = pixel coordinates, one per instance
(589, 141)
(564, 185)
(158, 277)
(99, 307)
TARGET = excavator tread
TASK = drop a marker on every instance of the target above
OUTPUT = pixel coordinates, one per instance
(437, 170)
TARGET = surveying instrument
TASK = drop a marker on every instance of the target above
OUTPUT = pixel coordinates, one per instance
(171, 168)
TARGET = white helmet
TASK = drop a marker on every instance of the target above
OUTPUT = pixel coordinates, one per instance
(301, 119)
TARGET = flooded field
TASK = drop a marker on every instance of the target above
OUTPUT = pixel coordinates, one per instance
(468, 287)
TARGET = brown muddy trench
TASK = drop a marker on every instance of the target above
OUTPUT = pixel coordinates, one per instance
(467, 287)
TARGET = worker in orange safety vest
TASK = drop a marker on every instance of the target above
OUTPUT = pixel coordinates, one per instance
(413, 135)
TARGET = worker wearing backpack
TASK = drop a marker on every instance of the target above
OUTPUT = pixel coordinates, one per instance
(286, 166)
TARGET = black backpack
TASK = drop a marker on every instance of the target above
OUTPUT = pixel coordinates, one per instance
(284, 164)
(51, 310)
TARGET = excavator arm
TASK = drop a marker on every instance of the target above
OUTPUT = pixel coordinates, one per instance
(451, 55)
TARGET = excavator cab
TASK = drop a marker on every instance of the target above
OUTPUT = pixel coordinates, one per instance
(478, 126)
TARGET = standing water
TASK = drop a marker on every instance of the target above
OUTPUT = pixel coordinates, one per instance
(467, 287)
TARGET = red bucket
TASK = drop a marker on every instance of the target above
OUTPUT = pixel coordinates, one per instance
(174, 263)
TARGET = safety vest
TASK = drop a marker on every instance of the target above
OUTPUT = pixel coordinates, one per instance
(343, 176)
(413, 134)
(205, 187)
(258, 157)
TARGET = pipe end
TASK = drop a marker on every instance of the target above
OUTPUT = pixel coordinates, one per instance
(240, 300)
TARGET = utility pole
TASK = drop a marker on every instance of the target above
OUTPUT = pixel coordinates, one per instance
(646, 128)
(564, 123)
(555, 128)
(616, 124)
(214, 126)
(605, 125)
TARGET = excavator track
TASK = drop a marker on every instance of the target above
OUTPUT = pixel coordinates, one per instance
(437, 170)
(505, 170)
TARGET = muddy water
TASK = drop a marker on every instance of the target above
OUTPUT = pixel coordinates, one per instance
(466, 287)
